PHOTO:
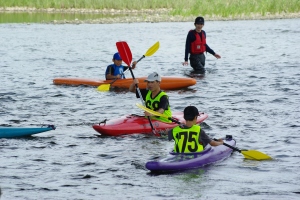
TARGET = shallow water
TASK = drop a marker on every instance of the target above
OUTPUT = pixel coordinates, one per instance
(252, 93)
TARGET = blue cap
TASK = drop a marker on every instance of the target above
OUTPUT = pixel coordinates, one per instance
(117, 56)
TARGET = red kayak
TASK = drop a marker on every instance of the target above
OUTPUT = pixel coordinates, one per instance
(134, 124)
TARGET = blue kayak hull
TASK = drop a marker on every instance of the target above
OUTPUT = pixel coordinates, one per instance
(12, 132)
(185, 161)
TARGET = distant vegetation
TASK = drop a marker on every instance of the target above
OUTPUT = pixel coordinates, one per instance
(222, 8)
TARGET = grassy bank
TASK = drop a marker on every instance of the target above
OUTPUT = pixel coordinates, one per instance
(221, 8)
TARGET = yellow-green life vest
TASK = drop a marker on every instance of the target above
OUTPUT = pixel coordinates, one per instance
(153, 105)
(187, 140)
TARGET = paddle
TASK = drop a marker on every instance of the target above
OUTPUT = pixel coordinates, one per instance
(126, 55)
(157, 113)
(251, 154)
(106, 87)
(150, 52)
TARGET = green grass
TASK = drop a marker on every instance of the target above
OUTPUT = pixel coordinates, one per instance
(223, 8)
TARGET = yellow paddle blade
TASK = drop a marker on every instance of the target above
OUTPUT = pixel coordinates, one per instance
(151, 111)
(103, 87)
(255, 155)
(152, 49)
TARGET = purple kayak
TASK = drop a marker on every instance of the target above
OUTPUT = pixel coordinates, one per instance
(184, 161)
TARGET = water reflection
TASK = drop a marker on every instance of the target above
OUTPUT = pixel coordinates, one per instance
(41, 17)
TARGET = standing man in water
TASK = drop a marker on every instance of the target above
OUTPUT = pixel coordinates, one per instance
(196, 46)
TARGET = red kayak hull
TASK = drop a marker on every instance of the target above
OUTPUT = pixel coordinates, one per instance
(133, 124)
(167, 82)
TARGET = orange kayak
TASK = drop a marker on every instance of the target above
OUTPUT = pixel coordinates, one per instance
(167, 82)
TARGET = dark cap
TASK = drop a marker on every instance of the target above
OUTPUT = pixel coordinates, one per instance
(199, 20)
(190, 112)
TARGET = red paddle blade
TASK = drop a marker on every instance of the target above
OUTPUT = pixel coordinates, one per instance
(124, 52)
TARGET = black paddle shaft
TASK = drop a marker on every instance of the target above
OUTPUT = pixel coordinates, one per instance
(138, 89)
(141, 58)
(234, 148)
(227, 145)
(136, 85)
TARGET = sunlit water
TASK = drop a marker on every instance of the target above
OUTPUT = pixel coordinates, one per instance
(252, 93)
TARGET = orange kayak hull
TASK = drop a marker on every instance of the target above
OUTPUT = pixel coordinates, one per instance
(167, 82)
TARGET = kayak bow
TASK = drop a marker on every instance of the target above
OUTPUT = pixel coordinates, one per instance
(11, 132)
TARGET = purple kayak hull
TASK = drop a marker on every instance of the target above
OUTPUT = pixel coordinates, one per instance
(184, 161)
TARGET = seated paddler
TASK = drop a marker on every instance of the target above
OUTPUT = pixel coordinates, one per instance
(155, 99)
(116, 70)
(189, 137)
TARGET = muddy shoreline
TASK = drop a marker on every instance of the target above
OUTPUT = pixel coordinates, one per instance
(135, 16)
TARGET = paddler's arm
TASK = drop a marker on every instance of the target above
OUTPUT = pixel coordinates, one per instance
(216, 143)
(109, 73)
(132, 87)
(163, 105)
(132, 66)
(204, 139)
(150, 115)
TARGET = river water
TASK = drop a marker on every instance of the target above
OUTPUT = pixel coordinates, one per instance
(252, 93)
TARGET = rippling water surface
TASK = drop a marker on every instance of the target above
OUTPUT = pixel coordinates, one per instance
(251, 93)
